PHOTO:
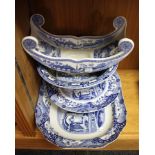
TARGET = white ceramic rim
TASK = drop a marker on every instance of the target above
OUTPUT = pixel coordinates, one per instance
(121, 53)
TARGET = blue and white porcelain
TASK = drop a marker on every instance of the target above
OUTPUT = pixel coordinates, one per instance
(75, 81)
(87, 99)
(80, 103)
(73, 42)
(71, 130)
(77, 61)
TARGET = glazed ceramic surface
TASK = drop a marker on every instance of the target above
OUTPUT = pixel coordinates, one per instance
(75, 81)
(70, 130)
(73, 42)
(87, 99)
(77, 61)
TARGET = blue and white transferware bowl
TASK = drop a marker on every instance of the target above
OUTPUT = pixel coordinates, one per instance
(73, 42)
(87, 99)
(77, 61)
(75, 81)
(71, 130)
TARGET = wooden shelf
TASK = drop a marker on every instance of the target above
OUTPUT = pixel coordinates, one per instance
(128, 139)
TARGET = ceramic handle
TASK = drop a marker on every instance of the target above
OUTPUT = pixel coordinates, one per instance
(74, 42)
(37, 19)
(126, 45)
(119, 21)
(30, 42)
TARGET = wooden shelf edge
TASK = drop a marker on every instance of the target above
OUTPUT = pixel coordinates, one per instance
(129, 142)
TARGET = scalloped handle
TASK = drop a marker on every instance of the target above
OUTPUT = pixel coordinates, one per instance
(119, 22)
(37, 19)
(126, 45)
(29, 42)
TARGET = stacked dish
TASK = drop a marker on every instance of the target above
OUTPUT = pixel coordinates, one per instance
(80, 102)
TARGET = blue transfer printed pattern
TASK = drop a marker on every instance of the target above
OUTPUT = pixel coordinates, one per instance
(125, 46)
(85, 93)
(72, 42)
(73, 83)
(81, 123)
(107, 51)
(75, 66)
(48, 50)
(43, 123)
(70, 103)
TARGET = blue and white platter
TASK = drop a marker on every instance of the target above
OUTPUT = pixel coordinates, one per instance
(74, 42)
(75, 81)
(77, 60)
(87, 99)
(88, 130)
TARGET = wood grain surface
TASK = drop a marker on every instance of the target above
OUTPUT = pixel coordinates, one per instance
(26, 65)
(24, 109)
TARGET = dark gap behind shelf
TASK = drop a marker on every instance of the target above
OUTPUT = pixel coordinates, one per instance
(66, 152)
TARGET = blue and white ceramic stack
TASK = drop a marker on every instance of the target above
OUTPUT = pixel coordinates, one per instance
(80, 103)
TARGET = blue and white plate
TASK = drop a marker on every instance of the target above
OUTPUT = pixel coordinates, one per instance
(71, 130)
(75, 81)
(77, 61)
(87, 99)
(73, 42)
